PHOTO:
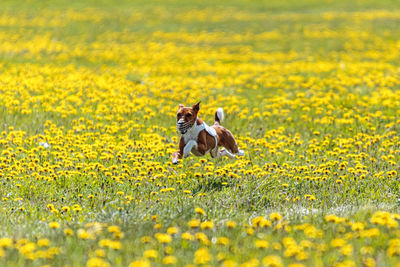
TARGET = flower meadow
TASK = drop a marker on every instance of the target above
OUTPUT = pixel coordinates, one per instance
(89, 93)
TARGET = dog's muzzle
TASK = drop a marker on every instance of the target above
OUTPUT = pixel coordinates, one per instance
(182, 126)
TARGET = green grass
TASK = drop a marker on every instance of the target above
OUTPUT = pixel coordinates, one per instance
(306, 87)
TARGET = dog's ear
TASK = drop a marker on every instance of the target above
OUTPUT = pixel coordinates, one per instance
(180, 106)
(196, 107)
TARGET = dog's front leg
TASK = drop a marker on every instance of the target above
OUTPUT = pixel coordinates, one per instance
(202, 149)
(202, 143)
(241, 152)
(178, 154)
(188, 148)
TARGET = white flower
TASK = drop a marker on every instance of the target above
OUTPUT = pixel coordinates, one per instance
(44, 144)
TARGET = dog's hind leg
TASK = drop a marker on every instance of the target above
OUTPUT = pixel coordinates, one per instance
(229, 142)
(233, 148)
(225, 152)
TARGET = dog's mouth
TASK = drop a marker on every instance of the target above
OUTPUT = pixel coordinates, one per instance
(183, 127)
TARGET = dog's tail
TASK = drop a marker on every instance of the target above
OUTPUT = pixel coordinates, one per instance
(219, 116)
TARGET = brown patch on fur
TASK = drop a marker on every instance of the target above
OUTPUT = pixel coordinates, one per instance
(226, 139)
(187, 114)
(217, 120)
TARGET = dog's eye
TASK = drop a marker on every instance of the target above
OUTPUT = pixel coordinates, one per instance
(179, 114)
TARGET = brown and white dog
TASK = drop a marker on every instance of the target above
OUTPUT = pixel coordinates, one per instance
(199, 138)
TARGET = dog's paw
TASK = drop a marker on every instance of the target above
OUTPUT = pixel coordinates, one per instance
(186, 154)
(175, 161)
(186, 151)
(241, 152)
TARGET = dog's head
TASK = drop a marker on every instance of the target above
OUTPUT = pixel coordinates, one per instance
(186, 117)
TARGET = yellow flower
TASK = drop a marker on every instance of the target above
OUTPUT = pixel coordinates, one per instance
(346, 263)
(367, 250)
(83, 234)
(140, 263)
(338, 242)
(187, 236)
(68, 231)
(97, 262)
(100, 253)
(276, 246)
(369, 262)
(28, 247)
(372, 232)
(118, 235)
(203, 238)
(54, 225)
(172, 230)
(301, 255)
(275, 216)
(249, 231)
(306, 244)
(150, 254)
(76, 208)
(202, 256)
(333, 218)
(44, 242)
(358, 226)
(194, 223)
(230, 224)
(207, 225)
(5, 242)
(105, 242)
(250, 263)
(261, 244)
(65, 209)
(221, 256)
(170, 260)
(272, 261)
(145, 239)
(200, 211)
(223, 241)
(229, 263)
(115, 245)
(168, 250)
(260, 222)
(114, 229)
(347, 250)
(163, 238)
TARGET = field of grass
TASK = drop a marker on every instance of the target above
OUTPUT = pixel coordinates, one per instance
(88, 97)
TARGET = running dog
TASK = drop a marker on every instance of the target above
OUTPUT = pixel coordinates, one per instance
(199, 138)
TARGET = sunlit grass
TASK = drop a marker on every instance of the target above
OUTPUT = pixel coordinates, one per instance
(89, 93)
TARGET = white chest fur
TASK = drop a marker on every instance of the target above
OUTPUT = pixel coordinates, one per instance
(192, 133)
(190, 139)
